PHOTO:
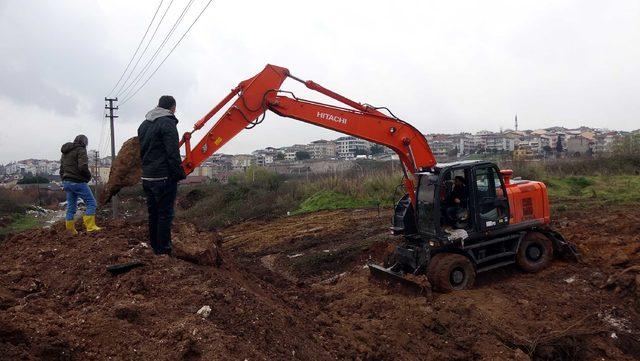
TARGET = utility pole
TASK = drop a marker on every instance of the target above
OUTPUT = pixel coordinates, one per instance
(114, 200)
(96, 175)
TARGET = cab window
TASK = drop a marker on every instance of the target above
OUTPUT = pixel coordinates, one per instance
(488, 184)
(426, 206)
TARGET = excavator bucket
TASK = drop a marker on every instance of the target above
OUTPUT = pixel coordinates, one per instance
(415, 284)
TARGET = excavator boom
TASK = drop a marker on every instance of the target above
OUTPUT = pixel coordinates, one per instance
(262, 92)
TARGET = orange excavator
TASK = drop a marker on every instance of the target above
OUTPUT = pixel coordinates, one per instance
(458, 219)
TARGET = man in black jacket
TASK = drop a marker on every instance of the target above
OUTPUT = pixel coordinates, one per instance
(161, 170)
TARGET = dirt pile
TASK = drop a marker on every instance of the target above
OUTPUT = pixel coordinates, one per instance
(560, 313)
(609, 238)
(126, 170)
(297, 288)
(59, 302)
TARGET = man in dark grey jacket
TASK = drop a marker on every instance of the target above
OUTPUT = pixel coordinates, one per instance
(74, 172)
(161, 170)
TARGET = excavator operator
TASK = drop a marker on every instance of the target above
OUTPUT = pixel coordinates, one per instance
(457, 201)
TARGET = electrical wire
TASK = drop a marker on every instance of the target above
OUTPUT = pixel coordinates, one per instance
(140, 76)
(170, 52)
(143, 72)
(148, 62)
(145, 49)
(137, 49)
(101, 131)
(101, 128)
(102, 141)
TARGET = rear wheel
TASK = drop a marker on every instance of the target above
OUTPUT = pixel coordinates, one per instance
(535, 252)
(450, 271)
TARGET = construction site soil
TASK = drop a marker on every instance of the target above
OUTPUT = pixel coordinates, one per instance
(297, 288)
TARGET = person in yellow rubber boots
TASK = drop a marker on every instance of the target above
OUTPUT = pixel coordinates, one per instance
(74, 172)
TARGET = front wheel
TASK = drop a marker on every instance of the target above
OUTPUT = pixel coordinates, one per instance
(535, 252)
(450, 271)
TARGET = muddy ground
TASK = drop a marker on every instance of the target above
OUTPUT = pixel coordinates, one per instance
(296, 288)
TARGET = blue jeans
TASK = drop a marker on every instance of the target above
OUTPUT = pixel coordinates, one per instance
(161, 196)
(75, 190)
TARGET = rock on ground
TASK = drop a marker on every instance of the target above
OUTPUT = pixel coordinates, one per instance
(191, 246)
(126, 170)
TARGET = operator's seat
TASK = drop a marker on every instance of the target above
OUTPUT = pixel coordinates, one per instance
(458, 212)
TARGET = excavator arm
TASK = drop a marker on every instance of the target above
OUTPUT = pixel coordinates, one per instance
(262, 92)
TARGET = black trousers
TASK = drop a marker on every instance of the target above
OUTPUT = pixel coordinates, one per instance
(161, 197)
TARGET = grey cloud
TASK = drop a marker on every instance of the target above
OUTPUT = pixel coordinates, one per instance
(443, 66)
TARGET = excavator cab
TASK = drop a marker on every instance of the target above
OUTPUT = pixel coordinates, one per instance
(453, 234)
(481, 206)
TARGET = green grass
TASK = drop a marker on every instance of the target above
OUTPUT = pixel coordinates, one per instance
(20, 223)
(262, 194)
(622, 189)
(327, 200)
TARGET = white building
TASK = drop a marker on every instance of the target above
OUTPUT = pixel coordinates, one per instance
(320, 149)
(604, 142)
(347, 147)
(265, 156)
(499, 142)
(441, 144)
(467, 144)
(290, 152)
(242, 161)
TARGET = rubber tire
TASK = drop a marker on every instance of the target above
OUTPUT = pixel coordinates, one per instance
(543, 243)
(441, 266)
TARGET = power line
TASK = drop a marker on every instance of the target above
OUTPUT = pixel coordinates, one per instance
(165, 58)
(138, 48)
(101, 127)
(104, 142)
(144, 70)
(144, 51)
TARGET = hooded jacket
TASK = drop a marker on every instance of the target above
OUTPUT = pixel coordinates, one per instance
(159, 149)
(74, 164)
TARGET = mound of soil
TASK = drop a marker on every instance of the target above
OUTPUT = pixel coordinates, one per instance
(296, 288)
(610, 240)
(561, 313)
(126, 170)
(59, 302)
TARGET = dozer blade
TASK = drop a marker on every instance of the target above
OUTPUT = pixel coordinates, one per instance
(569, 251)
(392, 277)
(564, 248)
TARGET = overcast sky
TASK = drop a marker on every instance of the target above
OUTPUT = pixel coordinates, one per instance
(444, 66)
